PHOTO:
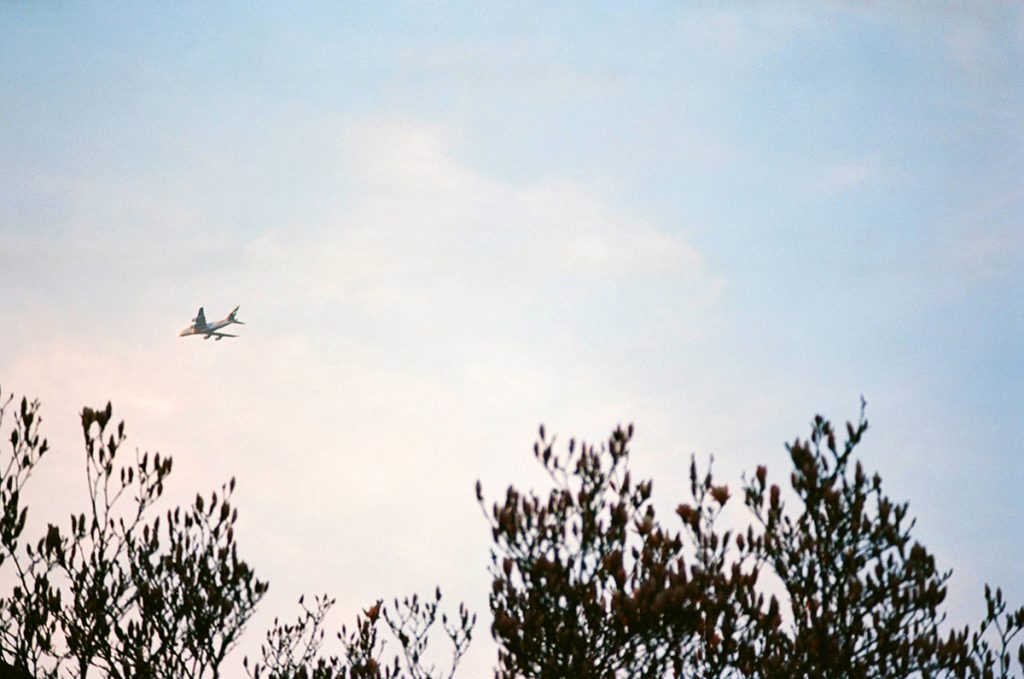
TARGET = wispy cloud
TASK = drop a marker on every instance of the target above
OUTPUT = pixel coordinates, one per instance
(418, 230)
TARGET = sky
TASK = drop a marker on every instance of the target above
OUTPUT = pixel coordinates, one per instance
(447, 223)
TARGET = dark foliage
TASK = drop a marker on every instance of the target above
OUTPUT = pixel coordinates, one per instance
(820, 580)
(115, 594)
(588, 581)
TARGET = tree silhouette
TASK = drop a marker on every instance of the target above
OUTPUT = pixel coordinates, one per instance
(588, 582)
(820, 580)
(114, 594)
(293, 651)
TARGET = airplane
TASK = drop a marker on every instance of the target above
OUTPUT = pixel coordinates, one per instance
(200, 327)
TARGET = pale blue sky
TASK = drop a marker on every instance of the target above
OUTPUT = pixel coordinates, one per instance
(446, 224)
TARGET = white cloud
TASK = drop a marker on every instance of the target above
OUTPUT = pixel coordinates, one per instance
(421, 204)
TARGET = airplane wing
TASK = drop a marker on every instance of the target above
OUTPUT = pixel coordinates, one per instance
(219, 335)
(200, 319)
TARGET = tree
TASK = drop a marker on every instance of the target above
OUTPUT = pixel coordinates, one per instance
(114, 594)
(25, 627)
(128, 593)
(587, 582)
(862, 598)
(293, 651)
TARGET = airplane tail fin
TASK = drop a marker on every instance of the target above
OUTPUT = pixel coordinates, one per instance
(231, 316)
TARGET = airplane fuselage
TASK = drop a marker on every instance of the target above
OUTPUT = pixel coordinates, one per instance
(199, 326)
